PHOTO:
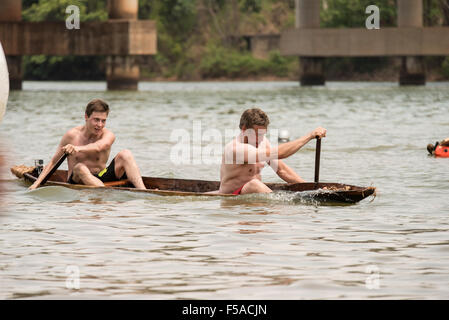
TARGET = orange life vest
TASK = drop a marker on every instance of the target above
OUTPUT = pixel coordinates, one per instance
(442, 152)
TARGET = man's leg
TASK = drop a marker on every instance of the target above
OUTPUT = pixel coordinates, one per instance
(125, 163)
(255, 186)
(82, 174)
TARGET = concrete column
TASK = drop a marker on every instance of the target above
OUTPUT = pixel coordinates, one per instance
(312, 71)
(122, 72)
(410, 13)
(307, 15)
(11, 11)
(413, 69)
(123, 9)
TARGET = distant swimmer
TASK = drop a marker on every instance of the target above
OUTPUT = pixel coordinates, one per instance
(88, 148)
(440, 149)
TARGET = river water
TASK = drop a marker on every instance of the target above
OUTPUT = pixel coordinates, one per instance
(62, 243)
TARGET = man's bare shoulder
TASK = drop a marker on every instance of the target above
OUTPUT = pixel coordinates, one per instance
(231, 142)
(231, 145)
(107, 132)
(74, 132)
(266, 142)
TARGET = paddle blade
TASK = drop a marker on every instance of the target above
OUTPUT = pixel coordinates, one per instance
(55, 167)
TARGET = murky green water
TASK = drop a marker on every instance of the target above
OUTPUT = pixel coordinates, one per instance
(257, 247)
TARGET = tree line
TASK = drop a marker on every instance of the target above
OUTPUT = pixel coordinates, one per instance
(204, 39)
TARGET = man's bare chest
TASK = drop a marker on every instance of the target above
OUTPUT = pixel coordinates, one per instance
(254, 168)
(82, 141)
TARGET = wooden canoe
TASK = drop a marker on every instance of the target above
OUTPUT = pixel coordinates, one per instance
(335, 192)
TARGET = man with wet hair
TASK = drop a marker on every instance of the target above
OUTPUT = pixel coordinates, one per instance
(88, 148)
(245, 156)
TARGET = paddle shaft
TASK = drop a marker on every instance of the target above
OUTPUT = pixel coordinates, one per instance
(317, 159)
(55, 167)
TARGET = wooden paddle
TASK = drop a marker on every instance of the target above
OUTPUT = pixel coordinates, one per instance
(55, 167)
(119, 183)
(317, 160)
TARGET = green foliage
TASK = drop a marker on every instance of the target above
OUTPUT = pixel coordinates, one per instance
(28, 3)
(63, 68)
(176, 22)
(55, 10)
(146, 7)
(445, 67)
(431, 13)
(223, 62)
(195, 44)
(351, 13)
(177, 16)
(341, 68)
(230, 63)
(251, 5)
(280, 65)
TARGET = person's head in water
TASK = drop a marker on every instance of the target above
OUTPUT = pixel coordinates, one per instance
(254, 124)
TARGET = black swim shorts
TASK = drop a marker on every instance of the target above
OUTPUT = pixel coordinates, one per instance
(106, 175)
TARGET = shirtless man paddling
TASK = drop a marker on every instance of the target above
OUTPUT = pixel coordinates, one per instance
(246, 155)
(88, 147)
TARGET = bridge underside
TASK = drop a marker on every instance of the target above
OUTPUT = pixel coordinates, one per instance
(116, 37)
(121, 38)
(410, 41)
(365, 43)
(411, 44)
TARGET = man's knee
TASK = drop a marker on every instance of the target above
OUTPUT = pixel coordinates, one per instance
(80, 171)
(255, 185)
(80, 168)
(125, 155)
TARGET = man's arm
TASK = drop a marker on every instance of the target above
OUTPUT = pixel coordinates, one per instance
(445, 142)
(59, 152)
(246, 153)
(285, 172)
(104, 143)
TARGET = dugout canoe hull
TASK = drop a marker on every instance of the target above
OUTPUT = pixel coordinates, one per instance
(185, 187)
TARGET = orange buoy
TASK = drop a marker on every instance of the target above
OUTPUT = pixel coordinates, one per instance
(442, 151)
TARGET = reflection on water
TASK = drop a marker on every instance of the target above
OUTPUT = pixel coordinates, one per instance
(277, 246)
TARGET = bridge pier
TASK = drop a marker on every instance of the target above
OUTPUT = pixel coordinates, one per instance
(410, 42)
(307, 16)
(11, 11)
(413, 68)
(122, 72)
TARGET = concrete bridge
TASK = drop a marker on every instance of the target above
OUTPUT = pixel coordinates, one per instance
(121, 38)
(410, 41)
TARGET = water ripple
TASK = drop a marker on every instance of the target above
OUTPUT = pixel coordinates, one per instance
(278, 246)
